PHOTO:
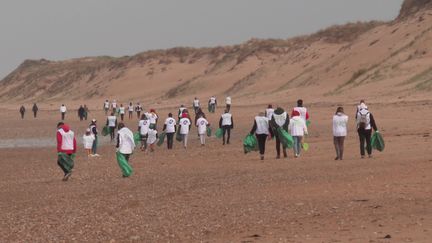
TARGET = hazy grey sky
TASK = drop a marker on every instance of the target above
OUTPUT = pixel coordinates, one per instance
(61, 29)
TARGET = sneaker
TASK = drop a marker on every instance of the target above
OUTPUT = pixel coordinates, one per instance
(370, 156)
(296, 156)
(362, 156)
(278, 157)
(262, 157)
(337, 158)
(66, 177)
(97, 155)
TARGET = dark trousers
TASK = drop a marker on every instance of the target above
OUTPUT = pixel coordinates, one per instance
(35, 114)
(170, 140)
(81, 117)
(112, 132)
(130, 114)
(261, 142)
(339, 146)
(22, 115)
(138, 114)
(94, 146)
(365, 137)
(122, 117)
(63, 115)
(278, 148)
(228, 108)
(226, 130)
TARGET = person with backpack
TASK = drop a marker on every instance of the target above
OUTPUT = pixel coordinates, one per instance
(279, 120)
(226, 123)
(362, 105)
(22, 111)
(365, 124)
(261, 129)
(111, 123)
(35, 110)
(185, 125)
(340, 123)
(143, 128)
(202, 125)
(170, 129)
(297, 127)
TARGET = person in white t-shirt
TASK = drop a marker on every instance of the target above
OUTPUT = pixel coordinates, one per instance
(63, 111)
(114, 106)
(196, 104)
(152, 137)
(111, 123)
(130, 110)
(106, 106)
(340, 122)
(226, 123)
(143, 128)
(138, 110)
(122, 112)
(125, 147)
(202, 125)
(185, 125)
(212, 104)
(88, 140)
(153, 118)
(262, 131)
(170, 130)
(269, 112)
(304, 114)
(228, 103)
(298, 129)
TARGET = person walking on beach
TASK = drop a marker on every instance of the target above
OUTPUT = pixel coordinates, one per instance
(196, 104)
(35, 110)
(143, 128)
(280, 119)
(152, 137)
(298, 129)
(226, 122)
(185, 125)
(112, 124)
(114, 106)
(88, 140)
(63, 111)
(125, 146)
(180, 111)
(153, 118)
(130, 110)
(86, 112)
(66, 149)
(202, 125)
(228, 103)
(301, 110)
(81, 113)
(106, 106)
(269, 112)
(365, 123)
(340, 122)
(122, 112)
(261, 129)
(361, 106)
(138, 110)
(94, 131)
(22, 111)
(170, 130)
(212, 104)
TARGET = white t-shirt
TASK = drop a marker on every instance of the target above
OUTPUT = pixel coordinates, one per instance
(226, 119)
(212, 100)
(297, 126)
(131, 108)
(262, 125)
(228, 100)
(202, 125)
(269, 113)
(340, 122)
(152, 136)
(170, 125)
(106, 105)
(127, 142)
(88, 141)
(184, 125)
(196, 103)
(114, 105)
(122, 110)
(302, 111)
(62, 109)
(112, 121)
(144, 126)
(152, 117)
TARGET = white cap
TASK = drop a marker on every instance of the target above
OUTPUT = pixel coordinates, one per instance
(88, 130)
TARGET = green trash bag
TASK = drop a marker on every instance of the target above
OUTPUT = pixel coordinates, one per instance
(209, 131)
(161, 139)
(285, 138)
(250, 144)
(105, 131)
(124, 165)
(308, 123)
(219, 133)
(137, 137)
(66, 161)
(377, 142)
(179, 136)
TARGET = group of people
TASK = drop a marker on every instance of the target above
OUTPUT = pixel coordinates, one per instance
(265, 127)
(121, 109)
(35, 110)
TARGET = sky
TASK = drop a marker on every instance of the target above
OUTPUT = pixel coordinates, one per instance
(63, 29)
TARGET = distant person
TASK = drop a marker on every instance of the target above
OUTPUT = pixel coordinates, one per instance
(143, 128)
(280, 119)
(228, 103)
(153, 118)
(94, 131)
(114, 106)
(196, 104)
(261, 129)
(226, 122)
(130, 110)
(298, 129)
(63, 111)
(301, 110)
(81, 113)
(212, 104)
(112, 124)
(66, 149)
(170, 130)
(106, 107)
(138, 110)
(86, 112)
(185, 125)
(365, 123)
(199, 113)
(122, 112)
(269, 112)
(125, 146)
(22, 111)
(340, 123)
(35, 110)
(361, 106)
(88, 140)
(202, 125)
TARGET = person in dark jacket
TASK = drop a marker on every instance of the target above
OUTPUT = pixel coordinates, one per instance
(35, 110)
(365, 123)
(280, 119)
(94, 131)
(22, 111)
(81, 113)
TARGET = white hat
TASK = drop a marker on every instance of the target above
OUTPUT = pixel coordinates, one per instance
(88, 130)
(93, 120)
